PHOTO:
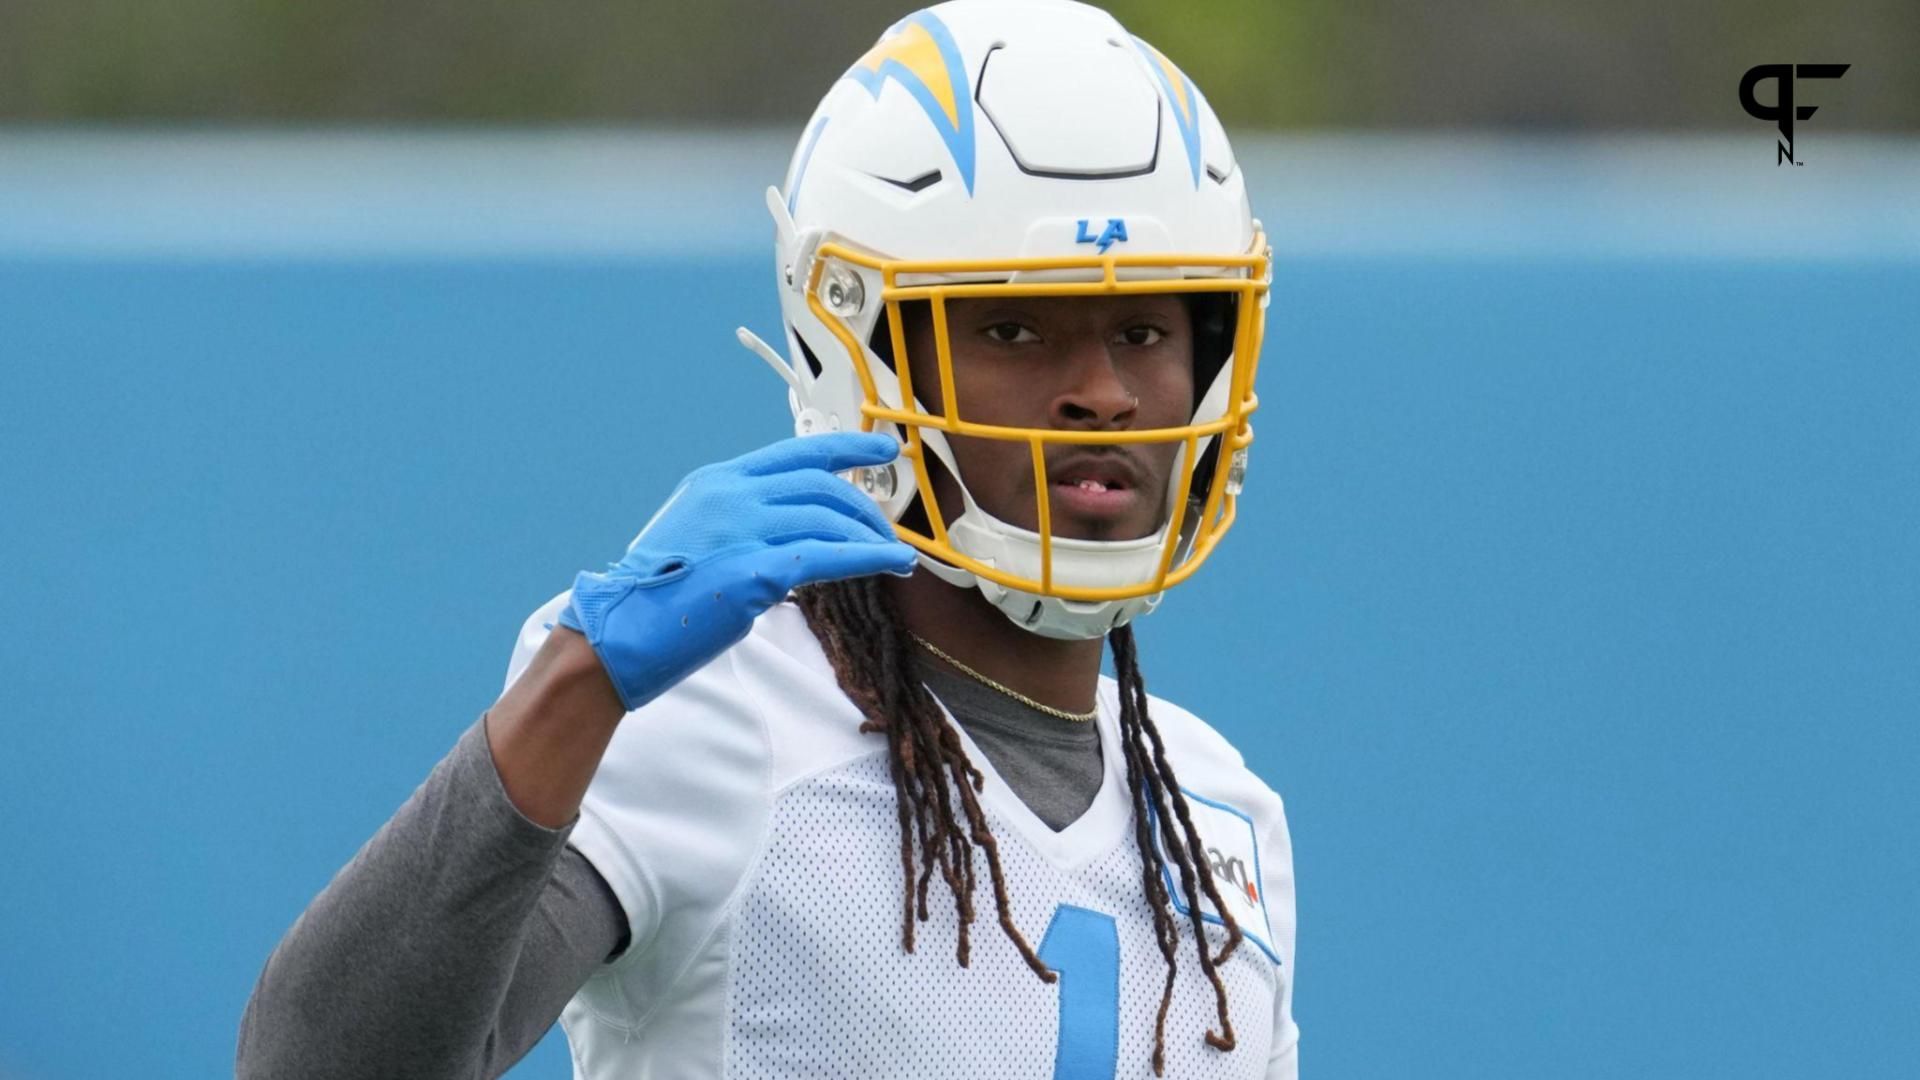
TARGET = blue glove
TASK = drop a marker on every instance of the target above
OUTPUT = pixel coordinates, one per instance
(733, 539)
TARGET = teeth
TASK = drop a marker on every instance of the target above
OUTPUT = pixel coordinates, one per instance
(1091, 485)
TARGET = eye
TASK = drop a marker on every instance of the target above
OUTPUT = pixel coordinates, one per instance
(1142, 335)
(1010, 333)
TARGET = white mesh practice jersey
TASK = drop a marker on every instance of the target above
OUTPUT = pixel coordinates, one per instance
(750, 833)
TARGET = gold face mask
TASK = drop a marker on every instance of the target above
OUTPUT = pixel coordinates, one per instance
(1196, 519)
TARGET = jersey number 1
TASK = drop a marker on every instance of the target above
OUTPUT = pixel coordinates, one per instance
(1084, 947)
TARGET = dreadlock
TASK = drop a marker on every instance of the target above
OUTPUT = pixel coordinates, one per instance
(867, 643)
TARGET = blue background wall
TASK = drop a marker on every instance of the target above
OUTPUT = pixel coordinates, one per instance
(1573, 607)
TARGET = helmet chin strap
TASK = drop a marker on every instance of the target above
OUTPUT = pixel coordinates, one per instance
(758, 347)
(785, 232)
(981, 535)
(784, 228)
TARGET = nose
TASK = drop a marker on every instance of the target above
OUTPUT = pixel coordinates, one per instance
(1092, 394)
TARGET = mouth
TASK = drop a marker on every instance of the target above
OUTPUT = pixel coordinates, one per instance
(1090, 499)
(1103, 487)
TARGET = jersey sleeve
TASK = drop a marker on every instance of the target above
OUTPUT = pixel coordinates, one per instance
(1283, 1063)
(673, 816)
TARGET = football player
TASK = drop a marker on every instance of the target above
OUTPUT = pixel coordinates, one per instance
(822, 777)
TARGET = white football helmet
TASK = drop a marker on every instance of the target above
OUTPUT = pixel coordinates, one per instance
(1017, 147)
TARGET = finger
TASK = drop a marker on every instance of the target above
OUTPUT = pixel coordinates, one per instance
(807, 561)
(776, 525)
(813, 488)
(834, 451)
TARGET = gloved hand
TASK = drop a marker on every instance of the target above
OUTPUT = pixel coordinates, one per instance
(733, 539)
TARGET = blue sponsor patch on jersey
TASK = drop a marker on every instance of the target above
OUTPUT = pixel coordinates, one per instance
(1233, 856)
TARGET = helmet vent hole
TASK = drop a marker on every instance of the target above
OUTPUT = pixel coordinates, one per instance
(917, 184)
(813, 362)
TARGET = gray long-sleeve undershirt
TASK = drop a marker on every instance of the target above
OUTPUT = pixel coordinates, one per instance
(452, 941)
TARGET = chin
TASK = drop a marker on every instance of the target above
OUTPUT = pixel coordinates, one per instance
(1101, 531)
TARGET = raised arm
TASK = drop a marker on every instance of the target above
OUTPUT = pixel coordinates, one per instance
(452, 940)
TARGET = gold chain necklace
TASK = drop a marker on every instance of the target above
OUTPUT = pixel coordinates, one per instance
(1078, 718)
